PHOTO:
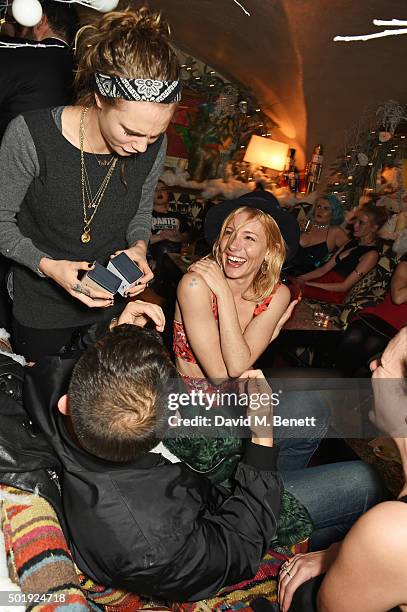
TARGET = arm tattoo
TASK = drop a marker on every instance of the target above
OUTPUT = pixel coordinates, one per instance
(194, 282)
(81, 289)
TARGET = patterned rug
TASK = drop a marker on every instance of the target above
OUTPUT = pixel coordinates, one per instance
(40, 562)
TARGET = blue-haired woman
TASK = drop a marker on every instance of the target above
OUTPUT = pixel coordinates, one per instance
(321, 236)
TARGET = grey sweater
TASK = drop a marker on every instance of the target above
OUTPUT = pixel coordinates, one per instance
(19, 166)
(41, 214)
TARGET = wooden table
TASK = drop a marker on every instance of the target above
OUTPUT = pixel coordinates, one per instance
(301, 331)
(302, 319)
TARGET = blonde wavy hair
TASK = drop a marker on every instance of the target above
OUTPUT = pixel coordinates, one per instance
(269, 272)
(129, 44)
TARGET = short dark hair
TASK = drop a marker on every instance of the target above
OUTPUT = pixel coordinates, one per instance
(377, 214)
(62, 18)
(118, 393)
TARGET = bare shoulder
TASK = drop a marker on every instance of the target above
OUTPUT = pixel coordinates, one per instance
(401, 269)
(386, 522)
(340, 235)
(70, 120)
(282, 294)
(281, 298)
(191, 285)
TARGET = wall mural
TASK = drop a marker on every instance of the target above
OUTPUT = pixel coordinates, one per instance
(214, 123)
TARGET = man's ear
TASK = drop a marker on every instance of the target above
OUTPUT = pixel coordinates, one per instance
(63, 405)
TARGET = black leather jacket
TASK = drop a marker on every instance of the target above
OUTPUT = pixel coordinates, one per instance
(27, 461)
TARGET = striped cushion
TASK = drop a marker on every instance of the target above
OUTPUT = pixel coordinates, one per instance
(40, 562)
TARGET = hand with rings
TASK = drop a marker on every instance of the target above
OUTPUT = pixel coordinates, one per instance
(296, 571)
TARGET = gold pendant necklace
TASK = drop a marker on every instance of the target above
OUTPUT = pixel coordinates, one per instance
(85, 238)
(88, 200)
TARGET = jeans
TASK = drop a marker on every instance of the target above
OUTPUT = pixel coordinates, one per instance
(298, 444)
(336, 494)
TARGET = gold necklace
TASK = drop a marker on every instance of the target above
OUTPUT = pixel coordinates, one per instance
(88, 200)
(101, 162)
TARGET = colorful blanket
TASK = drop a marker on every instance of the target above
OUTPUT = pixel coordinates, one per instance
(40, 562)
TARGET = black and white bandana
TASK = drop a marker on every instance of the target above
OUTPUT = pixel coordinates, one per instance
(139, 90)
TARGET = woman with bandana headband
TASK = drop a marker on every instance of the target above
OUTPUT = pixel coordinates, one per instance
(78, 181)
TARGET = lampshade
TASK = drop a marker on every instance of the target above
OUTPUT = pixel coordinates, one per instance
(266, 152)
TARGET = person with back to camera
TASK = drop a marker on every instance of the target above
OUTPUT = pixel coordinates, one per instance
(40, 75)
(321, 236)
(350, 263)
(182, 538)
(31, 77)
(78, 181)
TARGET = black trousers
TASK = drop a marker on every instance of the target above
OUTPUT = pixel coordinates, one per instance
(305, 597)
(35, 343)
(364, 339)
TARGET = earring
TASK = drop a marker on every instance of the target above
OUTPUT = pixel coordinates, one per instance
(264, 267)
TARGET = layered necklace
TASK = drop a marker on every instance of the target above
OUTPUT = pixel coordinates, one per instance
(310, 224)
(91, 202)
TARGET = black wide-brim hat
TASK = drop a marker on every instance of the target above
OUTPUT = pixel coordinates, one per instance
(262, 200)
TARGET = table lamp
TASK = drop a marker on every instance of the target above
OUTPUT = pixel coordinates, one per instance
(267, 152)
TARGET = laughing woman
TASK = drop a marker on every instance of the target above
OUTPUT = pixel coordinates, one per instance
(230, 306)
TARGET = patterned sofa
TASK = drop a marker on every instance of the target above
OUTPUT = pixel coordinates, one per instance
(39, 561)
(369, 291)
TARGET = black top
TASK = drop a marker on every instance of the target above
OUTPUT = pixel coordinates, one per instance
(51, 215)
(33, 78)
(167, 221)
(346, 265)
(309, 258)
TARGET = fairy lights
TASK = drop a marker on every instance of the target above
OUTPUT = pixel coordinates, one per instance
(378, 22)
(242, 7)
